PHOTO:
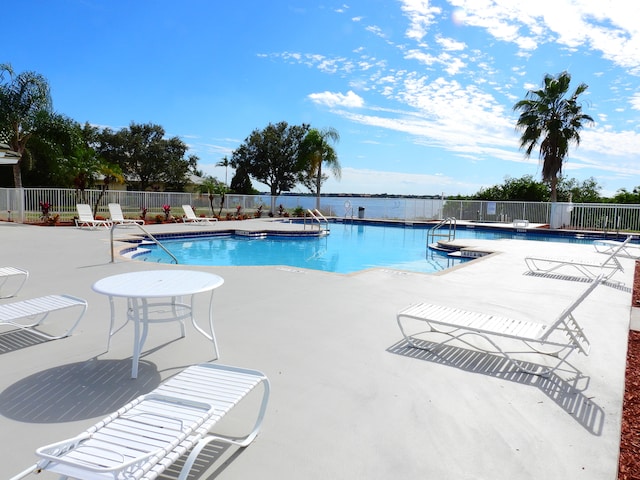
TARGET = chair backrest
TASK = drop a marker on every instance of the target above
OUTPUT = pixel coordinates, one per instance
(612, 258)
(569, 325)
(188, 211)
(115, 212)
(84, 212)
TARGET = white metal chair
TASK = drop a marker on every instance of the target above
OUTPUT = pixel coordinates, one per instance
(28, 314)
(190, 216)
(14, 277)
(589, 268)
(628, 250)
(556, 340)
(85, 218)
(145, 437)
(117, 218)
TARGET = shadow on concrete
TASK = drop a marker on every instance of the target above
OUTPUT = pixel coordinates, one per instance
(19, 339)
(571, 278)
(211, 454)
(563, 391)
(77, 391)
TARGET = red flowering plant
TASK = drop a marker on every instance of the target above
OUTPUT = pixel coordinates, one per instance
(45, 207)
(167, 211)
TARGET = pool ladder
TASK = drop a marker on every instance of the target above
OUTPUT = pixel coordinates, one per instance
(436, 231)
(318, 217)
(151, 237)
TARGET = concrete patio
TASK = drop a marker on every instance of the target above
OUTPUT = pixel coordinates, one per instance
(349, 400)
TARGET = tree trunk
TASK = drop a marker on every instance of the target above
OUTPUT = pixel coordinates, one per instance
(318, 183)
(274, 194)
(17, 175)
(554, 191)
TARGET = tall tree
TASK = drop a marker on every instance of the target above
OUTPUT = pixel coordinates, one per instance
(572, 190)
(271, 156)
(54, 140)
(241, 182)
(553, 121)
(316, 150)
(224, 163)
(146, 158)
(624, 196)
(524, 189)
(25, 101)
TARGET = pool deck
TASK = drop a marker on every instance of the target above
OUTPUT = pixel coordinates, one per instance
(349, 400)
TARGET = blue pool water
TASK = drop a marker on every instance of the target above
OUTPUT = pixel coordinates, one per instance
(349, 248)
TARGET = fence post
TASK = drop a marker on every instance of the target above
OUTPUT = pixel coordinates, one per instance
(20, 193)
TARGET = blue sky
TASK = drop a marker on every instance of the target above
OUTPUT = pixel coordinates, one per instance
(420, 91)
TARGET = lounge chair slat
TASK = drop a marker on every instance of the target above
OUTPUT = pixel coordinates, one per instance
(85, 218)
(117, 217)
(37, 309)
(8, 272)
(190, 216)
(146, 436)
(560, 338)
(628, 250)
(584, 268)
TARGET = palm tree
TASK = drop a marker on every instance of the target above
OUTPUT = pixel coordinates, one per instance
(314, 152)
(212, 187)
(110, 174)
(24, 101)
(224, 163)
(552, 120)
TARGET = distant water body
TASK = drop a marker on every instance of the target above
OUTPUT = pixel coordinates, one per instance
(370, 207)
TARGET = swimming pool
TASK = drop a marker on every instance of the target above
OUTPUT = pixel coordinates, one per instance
(349, 248)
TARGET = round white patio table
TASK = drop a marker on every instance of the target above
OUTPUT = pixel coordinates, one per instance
(144, 292)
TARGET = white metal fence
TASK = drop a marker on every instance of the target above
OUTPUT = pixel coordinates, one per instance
(23, 205)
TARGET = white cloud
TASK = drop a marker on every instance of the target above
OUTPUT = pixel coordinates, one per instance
(421, 16)
(472, 119)
(450, 44)
(452, 65)
(501, 18)
(421, 57)
(331, 99)
(375, 30)
(608, 27)
(624, 144)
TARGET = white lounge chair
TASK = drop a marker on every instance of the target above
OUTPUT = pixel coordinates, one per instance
(190, 216)
(145, 437)
(585, 268)
(117, 218)
(28, 314)
(85, 218)
(557, 340)
(8, 277)
(628, 250)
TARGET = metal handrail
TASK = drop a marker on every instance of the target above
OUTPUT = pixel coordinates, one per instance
(155, 240)
(315, 217)
(451, 233)
(317, 212)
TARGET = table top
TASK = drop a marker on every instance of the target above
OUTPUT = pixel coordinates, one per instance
(158, 283)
